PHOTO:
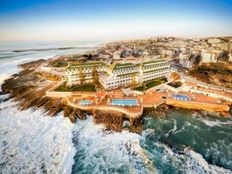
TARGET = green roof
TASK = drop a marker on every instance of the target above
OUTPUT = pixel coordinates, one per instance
(87, 64)
(154, 62)
(124, 65)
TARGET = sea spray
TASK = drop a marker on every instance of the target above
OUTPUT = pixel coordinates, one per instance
(101, 151)
(190, 141)
(32, 142)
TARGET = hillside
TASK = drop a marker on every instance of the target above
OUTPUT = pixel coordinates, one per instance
(214, 73)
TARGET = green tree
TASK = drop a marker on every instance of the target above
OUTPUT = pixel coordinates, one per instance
(133, 80)
(95, 75)
(82, 76)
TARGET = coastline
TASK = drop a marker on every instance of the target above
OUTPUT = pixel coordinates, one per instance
(36, 83)
(81, 133)
(23, 88)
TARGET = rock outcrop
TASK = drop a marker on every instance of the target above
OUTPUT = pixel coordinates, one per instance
(114, 121)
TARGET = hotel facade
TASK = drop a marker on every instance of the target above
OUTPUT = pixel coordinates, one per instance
(118, 74)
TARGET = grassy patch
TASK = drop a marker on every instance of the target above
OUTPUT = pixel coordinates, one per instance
(140, 88)
(151, 84)
(84, 87)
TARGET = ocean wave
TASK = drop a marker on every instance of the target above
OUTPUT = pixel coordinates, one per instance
(172, 131)
(9, 68)
(188, 161)
(30, 142)
(49, 49)
(186, 124)
(212, 123)
(220, 152)
(197, 164)
(100, 151)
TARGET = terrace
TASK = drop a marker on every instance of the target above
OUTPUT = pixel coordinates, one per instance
(129, 107)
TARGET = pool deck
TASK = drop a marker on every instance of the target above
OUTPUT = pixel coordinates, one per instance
(129, 111)
(150, 99)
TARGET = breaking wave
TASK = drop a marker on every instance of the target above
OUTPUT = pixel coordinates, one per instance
(168, 160)
(213, 123)
(32, 142)
(100, 151)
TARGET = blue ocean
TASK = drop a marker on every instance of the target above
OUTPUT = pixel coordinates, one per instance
(183, 141)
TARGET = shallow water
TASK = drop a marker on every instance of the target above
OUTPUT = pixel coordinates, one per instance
(31, 142)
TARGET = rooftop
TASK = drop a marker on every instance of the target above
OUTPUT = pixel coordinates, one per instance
(154, 62)
(87, 64)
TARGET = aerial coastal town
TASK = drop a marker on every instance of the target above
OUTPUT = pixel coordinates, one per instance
(122, 79)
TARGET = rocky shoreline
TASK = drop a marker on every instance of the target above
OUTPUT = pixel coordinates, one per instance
(28, 88)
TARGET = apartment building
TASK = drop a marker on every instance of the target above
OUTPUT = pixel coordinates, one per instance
(74, 71)
(112, 76)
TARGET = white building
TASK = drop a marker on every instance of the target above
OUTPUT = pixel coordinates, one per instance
(208, 57)
(119, 74)
(214, 40)
(116, 55)
(74, 71)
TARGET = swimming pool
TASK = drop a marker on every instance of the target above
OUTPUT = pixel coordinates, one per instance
(124, 102)
(181, 97)
(85, 102)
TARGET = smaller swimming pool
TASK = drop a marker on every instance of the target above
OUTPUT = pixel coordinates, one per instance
(124, 102)
(85, 102)
(181, 97)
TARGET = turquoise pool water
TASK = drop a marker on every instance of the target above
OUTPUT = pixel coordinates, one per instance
(181, 97)
(124, 102)
(85, 102)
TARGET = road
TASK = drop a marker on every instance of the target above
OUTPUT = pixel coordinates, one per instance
(190, 79)
(193, 80)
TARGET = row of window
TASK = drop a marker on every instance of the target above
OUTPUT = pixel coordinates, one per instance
(86, 69)
(155, 72)
(119, 82)
(152, 77)
(126, 69)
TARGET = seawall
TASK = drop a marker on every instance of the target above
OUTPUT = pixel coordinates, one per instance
(198, 105)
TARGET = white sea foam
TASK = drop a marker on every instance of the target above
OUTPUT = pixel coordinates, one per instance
(197, 164)
(213, 123)
(171, 131)
(31, 142)
(186, 124)
(101, 151)
(9, 68)
(187, 162)
(220, 150)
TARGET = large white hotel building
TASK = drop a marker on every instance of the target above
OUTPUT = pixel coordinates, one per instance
(119, 74)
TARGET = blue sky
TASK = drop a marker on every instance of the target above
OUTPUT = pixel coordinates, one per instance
(112, 19)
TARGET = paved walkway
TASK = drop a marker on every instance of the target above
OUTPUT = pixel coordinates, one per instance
(190, 79)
